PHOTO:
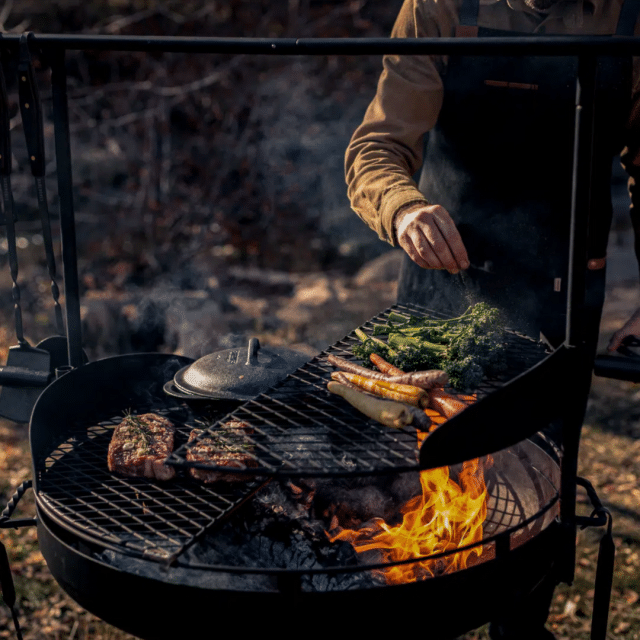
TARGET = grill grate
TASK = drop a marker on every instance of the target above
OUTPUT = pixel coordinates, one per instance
(152, 519)
(299, 429)
(296, 429)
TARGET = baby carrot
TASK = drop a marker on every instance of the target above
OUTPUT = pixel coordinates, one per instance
(445, 404)
(393, 391)
(384, 366)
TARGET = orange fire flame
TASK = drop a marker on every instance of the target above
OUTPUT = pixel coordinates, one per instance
(447, 515)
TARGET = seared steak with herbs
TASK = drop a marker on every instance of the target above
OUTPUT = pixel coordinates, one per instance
(139, 446)
(226, 447)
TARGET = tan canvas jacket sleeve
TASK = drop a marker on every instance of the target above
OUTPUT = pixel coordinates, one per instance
(385, 151)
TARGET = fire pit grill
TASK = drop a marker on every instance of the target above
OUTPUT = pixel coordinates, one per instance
(299, 430)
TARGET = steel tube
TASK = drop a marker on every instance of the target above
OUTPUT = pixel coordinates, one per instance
(547, 45)
(581, 197)
(67, 216)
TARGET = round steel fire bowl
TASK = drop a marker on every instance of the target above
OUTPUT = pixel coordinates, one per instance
(159, 609)
(137, 552)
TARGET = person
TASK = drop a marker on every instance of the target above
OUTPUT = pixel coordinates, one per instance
(492, 138)
(465, 162)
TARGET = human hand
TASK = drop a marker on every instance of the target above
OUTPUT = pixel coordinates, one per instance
(430, 237)
(630, 328)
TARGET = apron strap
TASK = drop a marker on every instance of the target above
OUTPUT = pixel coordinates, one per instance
(468, 27)
(469, 13)
(628, 18)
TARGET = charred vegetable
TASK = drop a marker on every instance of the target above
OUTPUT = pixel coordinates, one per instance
(386, 412)
(467, 348)
(446, 404)
(421, 379)
(392, 391)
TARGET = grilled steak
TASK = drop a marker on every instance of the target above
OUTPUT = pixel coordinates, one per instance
(227, 447)
(139, 446)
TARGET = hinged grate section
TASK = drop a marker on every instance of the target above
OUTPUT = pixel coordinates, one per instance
(152, 519)
(298, 428)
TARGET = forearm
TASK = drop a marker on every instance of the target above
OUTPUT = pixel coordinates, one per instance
(386, 149)
(379, 174)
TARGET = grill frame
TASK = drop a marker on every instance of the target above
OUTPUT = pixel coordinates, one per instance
(586, 48)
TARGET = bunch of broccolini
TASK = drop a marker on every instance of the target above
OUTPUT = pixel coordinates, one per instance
(468, 347)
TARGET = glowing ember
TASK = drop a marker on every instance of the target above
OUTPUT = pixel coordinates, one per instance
(449, 514)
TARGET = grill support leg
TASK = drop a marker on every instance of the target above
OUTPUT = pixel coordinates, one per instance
(526, 621)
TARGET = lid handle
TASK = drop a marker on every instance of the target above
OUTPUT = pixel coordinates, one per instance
(252, 352)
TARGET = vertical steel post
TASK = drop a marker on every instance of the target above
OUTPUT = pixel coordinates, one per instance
(67, 215)
(578, 341)
(580, 197)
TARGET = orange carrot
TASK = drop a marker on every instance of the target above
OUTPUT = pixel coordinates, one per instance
(339, 376)
(392, 391)
(445, 404)
(423, 379)
(384, 366)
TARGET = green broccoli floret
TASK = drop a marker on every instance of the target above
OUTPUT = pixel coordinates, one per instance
(468, 347)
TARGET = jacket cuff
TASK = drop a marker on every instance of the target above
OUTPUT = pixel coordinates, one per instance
(390, 207)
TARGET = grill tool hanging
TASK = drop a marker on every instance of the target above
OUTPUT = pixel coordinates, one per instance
(32, 122)
(28, 369)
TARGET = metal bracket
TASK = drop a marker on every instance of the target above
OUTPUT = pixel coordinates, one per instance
(625, 366)
(5, 517)
(606, 558)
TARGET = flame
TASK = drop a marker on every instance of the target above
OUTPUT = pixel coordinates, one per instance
(448, 514)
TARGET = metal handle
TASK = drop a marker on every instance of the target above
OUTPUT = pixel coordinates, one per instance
(5, 127)
(7, 588)
(605, 564)
(32, 123)
(252, 352)
(5, 516)
(625, 366)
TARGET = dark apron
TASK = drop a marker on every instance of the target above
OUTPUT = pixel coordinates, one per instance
(500, 160)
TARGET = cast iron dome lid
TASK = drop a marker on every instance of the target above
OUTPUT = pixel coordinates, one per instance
(235, 374)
